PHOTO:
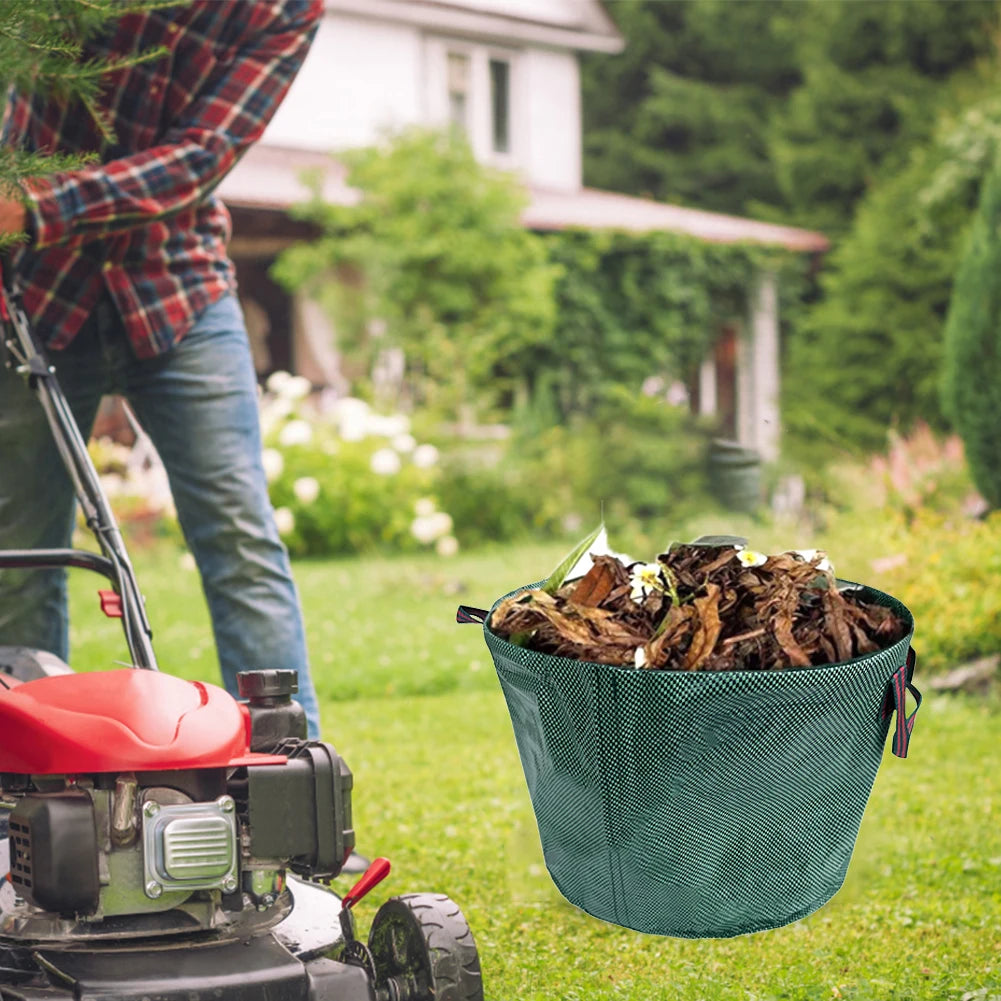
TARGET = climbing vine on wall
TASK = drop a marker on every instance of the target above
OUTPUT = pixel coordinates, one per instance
(631, 305)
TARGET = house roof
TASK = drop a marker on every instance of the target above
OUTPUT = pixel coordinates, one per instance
(271, 177)
(591, 208)
(575, 24)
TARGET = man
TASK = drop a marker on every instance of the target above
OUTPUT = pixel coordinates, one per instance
(126, 279)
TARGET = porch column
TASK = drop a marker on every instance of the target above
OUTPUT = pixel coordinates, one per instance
(758, 384)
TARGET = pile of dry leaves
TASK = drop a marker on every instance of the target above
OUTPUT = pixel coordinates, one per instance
(701, 608)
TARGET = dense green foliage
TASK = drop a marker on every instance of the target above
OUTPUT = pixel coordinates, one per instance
(682, 113)
(598, 315)
(867, 355)
(874, 75)
(972, 381)
(633, 305)
(355, 510)
(870, 120)
(448, 274)
(633, 460)
(489, 315)
(791, 109)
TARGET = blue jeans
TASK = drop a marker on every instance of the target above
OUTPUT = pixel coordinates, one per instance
(198, 403)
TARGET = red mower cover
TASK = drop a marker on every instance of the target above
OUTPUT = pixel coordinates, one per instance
(114, 721)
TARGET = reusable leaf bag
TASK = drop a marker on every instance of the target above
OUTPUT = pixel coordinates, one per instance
(702, 804)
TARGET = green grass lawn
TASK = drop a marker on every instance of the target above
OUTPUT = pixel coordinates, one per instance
(411, 700)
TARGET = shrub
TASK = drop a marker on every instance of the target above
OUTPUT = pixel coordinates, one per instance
(638, 459)
(945, 569)
(919, 471)
(495, 501)
(868, 356)
(443, 270)
(347, 480)
(972, 379)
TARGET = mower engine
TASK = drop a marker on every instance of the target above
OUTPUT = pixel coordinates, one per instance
(210, 843)
(158, 828)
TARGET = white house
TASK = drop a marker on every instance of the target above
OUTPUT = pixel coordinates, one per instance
(507, 72)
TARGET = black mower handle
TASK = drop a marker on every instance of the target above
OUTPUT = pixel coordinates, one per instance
(44, 559)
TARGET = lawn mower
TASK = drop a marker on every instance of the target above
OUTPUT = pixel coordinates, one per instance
(160, 840)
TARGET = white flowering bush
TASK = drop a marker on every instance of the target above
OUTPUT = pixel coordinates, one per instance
(342, 478)
(346, 479)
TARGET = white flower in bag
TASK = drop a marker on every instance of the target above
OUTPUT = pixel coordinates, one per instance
(645, 578)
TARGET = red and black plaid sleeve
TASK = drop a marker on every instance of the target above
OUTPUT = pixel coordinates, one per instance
(143, 220)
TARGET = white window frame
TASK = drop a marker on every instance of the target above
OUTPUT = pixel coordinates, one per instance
(480, 97)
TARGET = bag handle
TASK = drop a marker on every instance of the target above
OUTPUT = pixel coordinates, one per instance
(896, 701)
(467, 613)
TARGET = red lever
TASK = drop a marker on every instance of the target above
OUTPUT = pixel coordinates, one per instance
(111, 604)
(371, 878)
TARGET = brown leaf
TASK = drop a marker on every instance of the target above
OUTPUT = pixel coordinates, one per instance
(673, 633)
(570, 628)
(837, 627)
(707, 629)
(618, 633)
(782, 627)
(726, 557)
(594, 586)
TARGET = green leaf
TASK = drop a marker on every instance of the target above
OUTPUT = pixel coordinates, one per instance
(559, 575)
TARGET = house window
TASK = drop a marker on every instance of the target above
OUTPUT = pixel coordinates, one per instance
(458, 90)
(500, 104)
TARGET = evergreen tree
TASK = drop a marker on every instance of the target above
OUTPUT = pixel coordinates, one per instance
(682, 113)
(868, 355)
(874, 73)
(42, 46)
(784, 109)
(972, 375)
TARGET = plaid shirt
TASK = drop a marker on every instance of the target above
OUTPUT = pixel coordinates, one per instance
(142, 221)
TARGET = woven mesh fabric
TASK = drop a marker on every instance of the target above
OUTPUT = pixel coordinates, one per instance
(698, 804)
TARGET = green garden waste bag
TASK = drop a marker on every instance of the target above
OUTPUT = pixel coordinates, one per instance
(702, 804)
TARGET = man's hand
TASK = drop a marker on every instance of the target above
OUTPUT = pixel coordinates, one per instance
(12, 216)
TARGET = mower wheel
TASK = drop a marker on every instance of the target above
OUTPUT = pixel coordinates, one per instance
(424, 950)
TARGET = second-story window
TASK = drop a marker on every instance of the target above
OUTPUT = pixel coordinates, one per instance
(500, 104)
(458, 90)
